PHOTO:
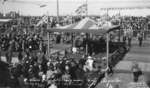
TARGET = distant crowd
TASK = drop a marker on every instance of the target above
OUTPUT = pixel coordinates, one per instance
(134, 23)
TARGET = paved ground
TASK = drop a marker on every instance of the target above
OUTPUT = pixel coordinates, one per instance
(139, 54)
(123, 68)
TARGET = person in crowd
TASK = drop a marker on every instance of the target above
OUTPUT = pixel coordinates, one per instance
(72, 69)
(129, 41)
(35, 69)
(110, 71)
(50, 72)
(147, 80)
(140, 39)
(53, 85)
(124, 38)
(136, 71)
(89, 63)
(20, 56)
(21, 82)
(66, 76)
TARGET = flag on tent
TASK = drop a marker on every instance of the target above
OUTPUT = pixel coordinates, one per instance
(81, 9)
(43, 20)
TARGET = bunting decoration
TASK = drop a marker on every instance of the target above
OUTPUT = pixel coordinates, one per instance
(81, 9)
(43, 20)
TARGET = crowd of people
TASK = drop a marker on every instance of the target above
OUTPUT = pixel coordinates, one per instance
(35, 67)
(52, 72)
(33, 61)
(134, 23)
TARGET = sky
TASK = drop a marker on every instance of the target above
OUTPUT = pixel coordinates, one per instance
(68, 7)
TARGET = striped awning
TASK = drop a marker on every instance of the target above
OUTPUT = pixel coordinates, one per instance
(86, 23)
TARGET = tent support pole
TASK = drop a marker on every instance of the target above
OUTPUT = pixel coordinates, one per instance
(48, 46)
(119, 34)
(72, 38)
(107, 54)
(86, 47)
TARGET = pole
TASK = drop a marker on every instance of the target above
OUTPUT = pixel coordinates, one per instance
(58, 11)
(47, 26)
(48, 46)
(86, 7)
(119, 27)
(107, 54)
(87, 38)
(107, 48)
(107, 14)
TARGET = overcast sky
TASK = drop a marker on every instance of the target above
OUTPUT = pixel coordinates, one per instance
(67, 7)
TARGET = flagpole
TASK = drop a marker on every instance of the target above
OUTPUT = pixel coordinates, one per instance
(58, 11)
(119, 24)
(86, 7)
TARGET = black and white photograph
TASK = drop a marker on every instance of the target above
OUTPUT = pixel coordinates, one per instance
(74, 43)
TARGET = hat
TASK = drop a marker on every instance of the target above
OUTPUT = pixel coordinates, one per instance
(104, 58)
(89, 57)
